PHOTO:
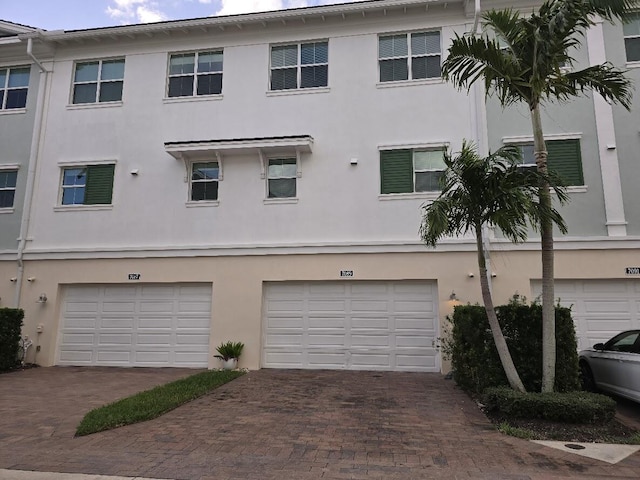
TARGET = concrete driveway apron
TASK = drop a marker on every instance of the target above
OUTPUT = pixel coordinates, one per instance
(274, 424)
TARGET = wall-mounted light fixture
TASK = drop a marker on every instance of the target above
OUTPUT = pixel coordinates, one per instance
(453, 297)
(42, 298)
(470, 275)
(13, 279)
(31, 279)
(494, 275)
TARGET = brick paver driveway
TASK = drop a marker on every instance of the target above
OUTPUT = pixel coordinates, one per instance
(274, 424)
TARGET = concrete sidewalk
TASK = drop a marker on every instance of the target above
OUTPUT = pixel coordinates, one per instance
(273, 424)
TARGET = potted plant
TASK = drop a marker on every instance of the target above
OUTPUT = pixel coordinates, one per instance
(229, 352)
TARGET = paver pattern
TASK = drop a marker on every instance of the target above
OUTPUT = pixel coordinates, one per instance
(275, 424)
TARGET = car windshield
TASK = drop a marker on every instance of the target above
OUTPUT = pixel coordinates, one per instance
(625, 342)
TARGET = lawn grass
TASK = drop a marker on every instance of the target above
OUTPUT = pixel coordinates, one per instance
(155, 402)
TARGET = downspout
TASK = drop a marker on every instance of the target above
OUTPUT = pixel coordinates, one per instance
(31, 172)
(476, 18)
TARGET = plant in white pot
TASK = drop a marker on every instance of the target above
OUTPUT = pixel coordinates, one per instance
(229, 352)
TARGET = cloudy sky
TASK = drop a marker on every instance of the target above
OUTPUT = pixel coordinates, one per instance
(78, 14)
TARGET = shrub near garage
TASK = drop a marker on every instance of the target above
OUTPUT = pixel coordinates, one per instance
(10, 325)
(571, 407)
(474, 357)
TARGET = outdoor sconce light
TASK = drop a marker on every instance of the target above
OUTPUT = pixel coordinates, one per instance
(31, 279)
(13, 279)
(453, 297)
(42, 298)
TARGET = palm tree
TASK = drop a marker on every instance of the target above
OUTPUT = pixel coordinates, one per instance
(491, 191)
(520, 61)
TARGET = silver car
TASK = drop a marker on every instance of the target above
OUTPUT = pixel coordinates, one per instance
(613, 366)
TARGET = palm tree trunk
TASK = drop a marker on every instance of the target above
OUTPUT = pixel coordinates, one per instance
(546, 238)
(501, 345)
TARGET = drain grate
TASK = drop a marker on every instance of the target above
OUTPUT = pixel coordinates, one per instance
(574, 446)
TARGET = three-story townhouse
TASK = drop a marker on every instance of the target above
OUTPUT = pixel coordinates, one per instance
(260, 177)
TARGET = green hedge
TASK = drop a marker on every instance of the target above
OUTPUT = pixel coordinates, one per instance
(10, 326)
(571, 407)
(475, 359)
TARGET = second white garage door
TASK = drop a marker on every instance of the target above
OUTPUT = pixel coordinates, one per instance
(351, 325)
(600, 308)
(147, 325)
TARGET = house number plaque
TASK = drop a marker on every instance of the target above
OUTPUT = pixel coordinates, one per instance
(134, 276)
(632, 270)
(346, 273)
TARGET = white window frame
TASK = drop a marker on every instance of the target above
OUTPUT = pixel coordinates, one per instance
(408, 58)
(74, 186)
(9, 168)
(636, 19)
(6, 88)
(195, 75)
(299, 66)
(98, 82)
(83, 164)
(416, 171)
(191, 164)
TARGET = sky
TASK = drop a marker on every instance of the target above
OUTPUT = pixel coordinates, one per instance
(80, 14)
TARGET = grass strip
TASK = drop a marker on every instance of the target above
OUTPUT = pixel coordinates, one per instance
(155, 402)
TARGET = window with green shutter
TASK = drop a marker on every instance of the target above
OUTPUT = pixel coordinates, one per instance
(90, 185)
(408, 170)
(563, 158)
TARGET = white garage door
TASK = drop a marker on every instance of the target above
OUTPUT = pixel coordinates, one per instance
(351, 325)
(600, 308)
(136, 325)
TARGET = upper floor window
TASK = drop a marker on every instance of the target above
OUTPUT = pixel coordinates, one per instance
(87, 185)
(300, 66)
(198, 73)
(409, 56)
(563, 158)
(411, 170)
(14, 85)
(98, 81)
(631, 31)
(8, 180)
(282, 174)
(204, 181)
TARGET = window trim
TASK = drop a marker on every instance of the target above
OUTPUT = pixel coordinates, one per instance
(98, 82)
(297, 175)
(631, 63)
(6, 88)
(84, 164)
(190, 163)
(418, 146)
(409, 57)
(528, 139)
(299, 88)
(10, 167)
(194, 95)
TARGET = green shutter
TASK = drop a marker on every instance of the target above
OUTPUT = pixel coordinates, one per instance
(99, 184)
(565, 160)
(396, 171)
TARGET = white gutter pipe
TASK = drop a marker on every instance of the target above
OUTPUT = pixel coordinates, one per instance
(476, 17)
(31, 172)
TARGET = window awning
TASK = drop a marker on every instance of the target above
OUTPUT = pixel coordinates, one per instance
(263, 148)
(287, 145)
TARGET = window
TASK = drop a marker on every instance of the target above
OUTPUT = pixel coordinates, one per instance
(87, 185)
(204, 181)
(281, 178)
(409, 56)
(631, 31)
(14, 84)
(563, 158)
(192, 74)
(8, 180)
(300, 66)
(98, 81)
(411, 170)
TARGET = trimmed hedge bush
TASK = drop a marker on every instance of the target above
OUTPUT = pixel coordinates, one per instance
(475, 359)
(571, 407)
(10, 326)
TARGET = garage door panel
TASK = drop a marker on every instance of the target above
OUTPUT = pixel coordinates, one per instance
(81, 307)
(350, 325)
(366, 306)
(136, 325)
(602, 305)
(359, 341)
(324, 322)
(604, 287)
(326, 340)
(359, 323)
